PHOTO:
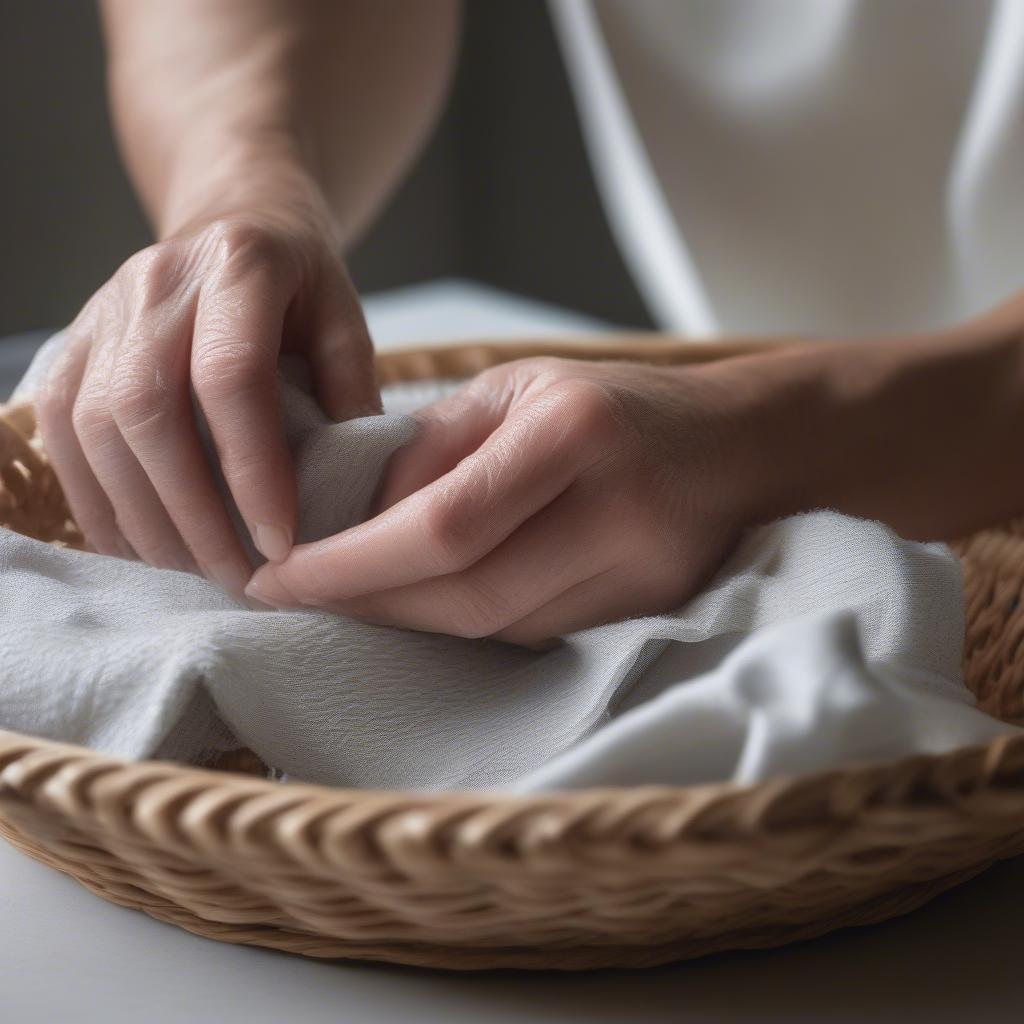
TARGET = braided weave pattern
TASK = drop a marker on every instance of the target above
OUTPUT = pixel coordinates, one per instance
(611, 877)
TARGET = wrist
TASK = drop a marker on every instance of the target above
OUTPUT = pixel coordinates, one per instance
(265, 179)
(921, 432)
(824, 425)
(771, 408)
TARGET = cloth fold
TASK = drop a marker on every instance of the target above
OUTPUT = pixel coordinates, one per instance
(823, 640)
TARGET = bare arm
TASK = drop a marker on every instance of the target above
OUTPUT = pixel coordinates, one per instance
(220, 104)
(261, 135)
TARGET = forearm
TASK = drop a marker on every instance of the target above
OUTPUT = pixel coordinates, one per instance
(925, 433)
(223, 106)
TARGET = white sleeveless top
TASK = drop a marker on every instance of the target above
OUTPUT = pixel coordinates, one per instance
(811, 166)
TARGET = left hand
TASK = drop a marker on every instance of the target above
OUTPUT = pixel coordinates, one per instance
(207, 312)
(547, 495)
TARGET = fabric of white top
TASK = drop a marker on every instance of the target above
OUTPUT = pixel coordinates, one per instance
(823, 640)
(806, 166)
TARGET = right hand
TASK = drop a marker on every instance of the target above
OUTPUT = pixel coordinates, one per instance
(208, 309)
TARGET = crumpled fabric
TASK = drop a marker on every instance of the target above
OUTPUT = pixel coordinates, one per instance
(823, 640)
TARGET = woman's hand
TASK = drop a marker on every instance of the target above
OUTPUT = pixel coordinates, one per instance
(261, 138)
(208, 309)
(549, 495)
(545, 496)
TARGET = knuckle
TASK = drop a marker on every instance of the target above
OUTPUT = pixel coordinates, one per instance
(245, 467)
(517, 377)
(449, 534)
(536, 374)
(499, 374)
(589, 409)
(240, 243)
(474, 610)
(91, 420)
(224, 366)
(140, 401)
(151, 274)
(547, 368)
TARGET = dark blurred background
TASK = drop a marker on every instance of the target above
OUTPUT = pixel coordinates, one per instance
(502, 195)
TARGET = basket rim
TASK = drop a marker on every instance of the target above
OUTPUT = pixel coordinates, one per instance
(984, 782)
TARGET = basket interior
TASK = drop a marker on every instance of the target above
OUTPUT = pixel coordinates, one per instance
(626, 877)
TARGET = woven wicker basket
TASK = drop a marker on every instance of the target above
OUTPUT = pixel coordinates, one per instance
(626, 877)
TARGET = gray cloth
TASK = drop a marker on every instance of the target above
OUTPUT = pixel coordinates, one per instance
(824, 639)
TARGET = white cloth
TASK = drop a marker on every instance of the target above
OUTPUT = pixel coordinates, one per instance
(825, 639)
(808, 166)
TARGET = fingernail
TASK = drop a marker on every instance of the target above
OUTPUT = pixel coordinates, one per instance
(268, 590)
(229, 576)
(274, 542)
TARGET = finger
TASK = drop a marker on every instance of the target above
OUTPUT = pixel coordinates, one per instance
(90, 507)
(640, 582)
(137, 509)
(235, 349)
(447, 432)
(551, 553)
(341, 356)
(152, 410)
(608, 596)
(446, 526)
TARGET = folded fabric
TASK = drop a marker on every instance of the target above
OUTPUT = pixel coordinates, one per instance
(824, 639)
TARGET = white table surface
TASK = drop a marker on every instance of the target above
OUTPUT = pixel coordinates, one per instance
(67, 956)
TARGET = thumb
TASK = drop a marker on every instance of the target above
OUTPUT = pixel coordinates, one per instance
(341, 357)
